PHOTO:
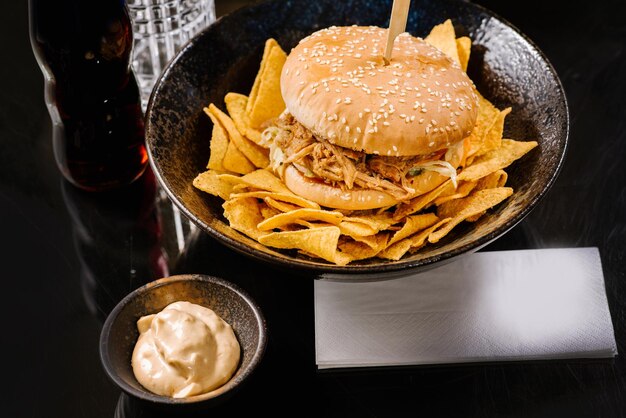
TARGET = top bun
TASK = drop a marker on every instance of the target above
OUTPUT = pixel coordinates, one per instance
(336, 84)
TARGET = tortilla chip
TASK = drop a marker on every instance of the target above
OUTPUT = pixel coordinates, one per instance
(493, 180)
(496, 159)
(236, 105)
(235, 161)
(463, 190)
(218, 145)
(467, 207)
(265, 180)
(210, 182)
(356, 229)
(376, 221)
(359, 251)
(493, 137)
(310, 225)
(281, 219)
(284, 197)
(265, 101)
(268, 212)
(423, 201)
(320, 242)
(464, 47)
(443, 38)
(490, 181)
(340, 258)
(253, 152)
(487, 114)
(412, 225)
(244, 214)
(280, 205)
(371, 241)
(397, 250)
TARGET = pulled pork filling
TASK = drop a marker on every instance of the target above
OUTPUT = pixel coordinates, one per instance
(291, 142)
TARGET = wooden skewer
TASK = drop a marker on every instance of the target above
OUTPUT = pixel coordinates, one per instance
(397, 25)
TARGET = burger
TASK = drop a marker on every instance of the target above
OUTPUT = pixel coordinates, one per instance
(361, 133)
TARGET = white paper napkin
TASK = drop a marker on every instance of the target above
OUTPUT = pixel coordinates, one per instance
(490, 306)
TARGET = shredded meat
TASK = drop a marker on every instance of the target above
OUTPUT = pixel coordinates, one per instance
(344, 167)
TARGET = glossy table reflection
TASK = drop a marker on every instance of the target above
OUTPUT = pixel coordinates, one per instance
(70, 256)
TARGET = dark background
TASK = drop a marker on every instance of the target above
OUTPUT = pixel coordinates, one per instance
(68, 257)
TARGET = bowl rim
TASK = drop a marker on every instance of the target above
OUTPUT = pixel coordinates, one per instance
(259, 350)
(324, 270)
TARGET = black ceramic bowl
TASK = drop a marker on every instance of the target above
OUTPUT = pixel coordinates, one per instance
(120, 334)
(505, 66)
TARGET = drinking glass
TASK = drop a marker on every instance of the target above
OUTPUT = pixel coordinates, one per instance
(161, 28)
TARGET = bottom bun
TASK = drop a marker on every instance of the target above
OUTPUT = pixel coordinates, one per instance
(333, 197)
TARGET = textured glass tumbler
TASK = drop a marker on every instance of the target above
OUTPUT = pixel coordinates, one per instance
(161, 28)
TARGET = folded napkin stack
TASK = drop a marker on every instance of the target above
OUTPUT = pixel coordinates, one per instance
(489, 306)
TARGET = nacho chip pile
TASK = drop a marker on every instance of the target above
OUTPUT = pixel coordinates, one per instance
(259, 205)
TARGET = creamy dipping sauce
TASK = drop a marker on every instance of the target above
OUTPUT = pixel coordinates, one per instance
(184, 350)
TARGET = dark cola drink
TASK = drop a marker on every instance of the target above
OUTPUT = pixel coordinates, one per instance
(84, 50)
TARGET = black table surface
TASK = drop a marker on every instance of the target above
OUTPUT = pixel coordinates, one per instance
(68, 257)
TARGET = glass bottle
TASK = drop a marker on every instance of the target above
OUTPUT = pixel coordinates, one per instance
(84, 50)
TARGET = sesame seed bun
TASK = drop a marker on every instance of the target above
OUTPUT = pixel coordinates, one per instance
(336, 84)
(333, 197)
